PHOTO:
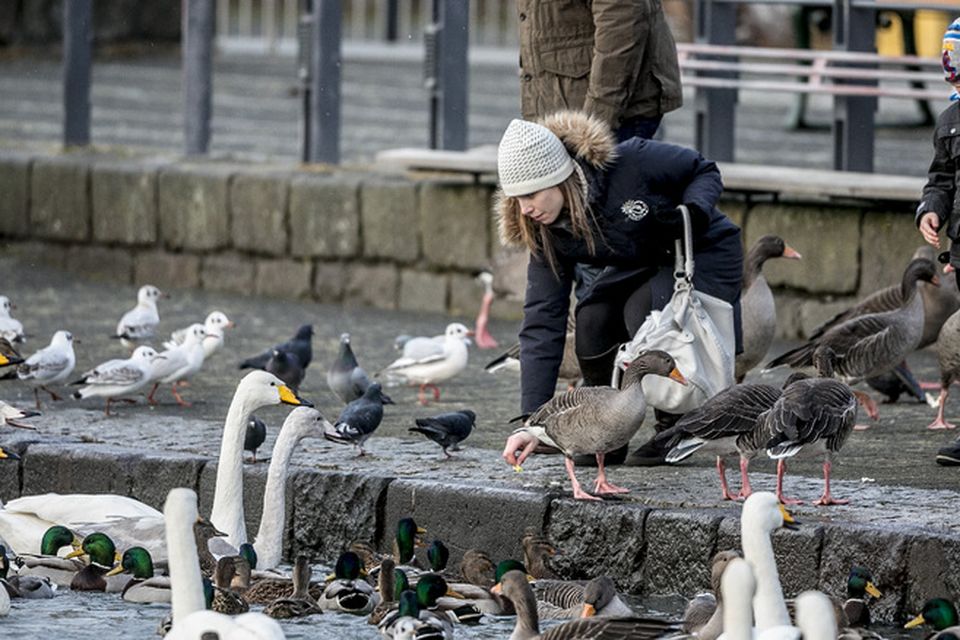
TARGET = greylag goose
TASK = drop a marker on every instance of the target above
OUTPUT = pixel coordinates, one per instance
(49, 366)
(514, 586)
(427, 362)
(140, 323)
(723, 425)
(816, 413)
(595, 420)
(569, 371)
(948, 356)
(447, 429)
(758, 309)
(565, 600)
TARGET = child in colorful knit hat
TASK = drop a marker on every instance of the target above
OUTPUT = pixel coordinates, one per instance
(938, 204)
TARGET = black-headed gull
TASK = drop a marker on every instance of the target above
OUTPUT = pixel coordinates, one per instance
(115, 378)
(12, 416)
(175, 365)
(10, 327)
(214, 326)
(427, 362)
(49, 366)
(140, 323)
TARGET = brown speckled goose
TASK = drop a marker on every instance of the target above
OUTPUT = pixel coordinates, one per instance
(948, 355)
(596, 598)
(816, 414)
(758, 309)
(875, 343)
(595, 420)
(723, 425)
(514, 586)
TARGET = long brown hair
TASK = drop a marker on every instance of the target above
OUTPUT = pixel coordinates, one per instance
(538, 238)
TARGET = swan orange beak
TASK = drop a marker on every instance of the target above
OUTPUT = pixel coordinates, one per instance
(677, 376)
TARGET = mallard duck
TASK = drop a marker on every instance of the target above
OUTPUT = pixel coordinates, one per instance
(426, 362)
(409, 621)
(49, 564)
(368, 554)
(595, 420)
(408, 538)
(103, 555)
(143, 586)
(940, 614)
(8, 354)
(299, 604)
(268, 586)
(859, 586)
(190, 618)
(758, 308)
(388, 579)
(478, 569)
(437, 556)
(537, 551)
(26, 587)
(348, 592)
(225, 599)
(447, 429)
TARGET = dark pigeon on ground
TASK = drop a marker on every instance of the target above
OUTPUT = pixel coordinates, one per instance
(359, 419)
(255, 436)
(286, 366)
(300, 345)
(346, 378)
(447, 429)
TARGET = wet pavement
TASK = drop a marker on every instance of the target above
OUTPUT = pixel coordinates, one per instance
(888, 471)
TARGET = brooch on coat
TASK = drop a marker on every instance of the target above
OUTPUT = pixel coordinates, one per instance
(635, 209)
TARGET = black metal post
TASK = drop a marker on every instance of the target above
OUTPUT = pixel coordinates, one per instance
(198, 32)
(854, 117)
(325, 58)
(448, 121)
(715, 109)
(77, 57)
(393, 20)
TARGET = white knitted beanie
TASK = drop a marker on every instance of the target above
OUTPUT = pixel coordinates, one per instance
(531, 158)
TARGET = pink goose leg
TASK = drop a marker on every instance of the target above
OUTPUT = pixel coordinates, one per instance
(601, 486)
(826, 498)
(578, 492)
(724, 489)
(745, 490)
(940, 422)
(781, 469)
(483, 338)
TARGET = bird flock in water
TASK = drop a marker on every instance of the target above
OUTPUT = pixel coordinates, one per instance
(207, 568)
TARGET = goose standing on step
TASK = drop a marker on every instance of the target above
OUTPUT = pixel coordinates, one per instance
(948, 357)
(140, 323)
(592, 421)
(758, 308)
(49, 366)
(427, 362)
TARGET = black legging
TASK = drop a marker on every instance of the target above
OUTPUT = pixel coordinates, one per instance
(612, 320)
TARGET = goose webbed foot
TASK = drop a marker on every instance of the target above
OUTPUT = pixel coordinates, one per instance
(940, 422)
(578, 492)
(827, 499)
(868, 404)
(724, 488)
(940, 425)
(782, 469)
(601, 485)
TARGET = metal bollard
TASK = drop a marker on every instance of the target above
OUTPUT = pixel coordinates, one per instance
(445, 73)
(198, 33)
(77, 54)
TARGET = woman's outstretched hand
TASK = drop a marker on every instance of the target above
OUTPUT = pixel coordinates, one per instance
(519, 446)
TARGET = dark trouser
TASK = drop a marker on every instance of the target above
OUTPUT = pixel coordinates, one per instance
(610, 321)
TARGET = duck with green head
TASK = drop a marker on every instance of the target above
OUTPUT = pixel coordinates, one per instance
(49, 565)
(143, 587)
(103, 555)
(410, 620)
(435, 595)
(940, 614)
(407, 540)
(348, 591)
(438, 555)
(860, 588)
(26, 587)
(479, 597)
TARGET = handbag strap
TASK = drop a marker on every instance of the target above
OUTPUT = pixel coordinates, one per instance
(683, 266)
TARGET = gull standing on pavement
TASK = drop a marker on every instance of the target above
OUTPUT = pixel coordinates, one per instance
(359, 419)
(174, 365)
(214, 325)
(426, 361)
(115, 378)
(49, 366)
(140, 323)
(12, 416)
(10, 328)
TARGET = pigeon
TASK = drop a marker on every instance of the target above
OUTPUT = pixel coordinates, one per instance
(427, 361)
(359, 419)
(447, 429)
(286, 366)
(300, 345)
(51, 365)
(8, 354)
(10, 328)
(255, 436)
(214, 325)
(115, 378)
(179, 363)
(140, 323)
(346, 378)
(12, 416)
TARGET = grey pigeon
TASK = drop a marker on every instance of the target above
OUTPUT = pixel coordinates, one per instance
(447, 429)
(255, 436)
(286, 366)
(346, 378)
(300, 345)
(359, 419)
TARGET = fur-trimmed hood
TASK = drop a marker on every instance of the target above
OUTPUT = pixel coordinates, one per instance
(588, 140)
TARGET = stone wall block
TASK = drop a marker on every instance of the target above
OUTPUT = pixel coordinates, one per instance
(372, 286)
(228, 272)
(100, 263)
(599, 539)
(324, 216)
(328, 532)
(60, 198)
(329, 281)
(389, 219)
(932, 568)
(15, 187)
(124, 203)
(887, 243)
(455, 224)
(283, 278)
(423, 291)
(476, 516)
(157, 472)
(815, 312)
(466, 294)
(827, 237)
(78, 468)
(167, 270)
(258, 213)
(680, 547)
(193, 207)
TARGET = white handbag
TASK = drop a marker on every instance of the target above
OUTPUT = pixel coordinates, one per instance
(696, 329)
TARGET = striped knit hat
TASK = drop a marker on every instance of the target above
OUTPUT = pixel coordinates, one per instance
(951, 52)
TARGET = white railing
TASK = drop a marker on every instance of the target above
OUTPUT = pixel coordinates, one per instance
(270, 26)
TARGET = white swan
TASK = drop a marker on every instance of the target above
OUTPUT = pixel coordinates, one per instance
(816, 617)
(737, 586)
(190, 618)
(130, 522)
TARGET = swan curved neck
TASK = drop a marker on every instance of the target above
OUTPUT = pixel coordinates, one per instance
(768, 606)
(269, 540)
(227, 513)
(186, 596)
